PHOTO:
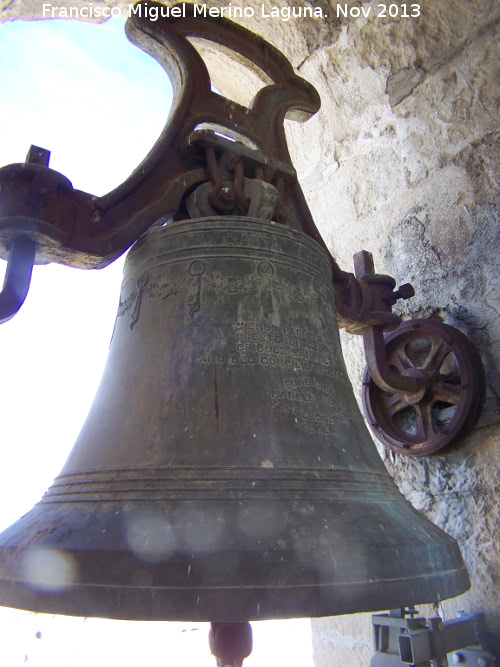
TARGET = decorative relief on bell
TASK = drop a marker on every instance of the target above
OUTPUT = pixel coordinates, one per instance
(231, 284)
(134, 316)
(262, 282)
(133, 301)
(266, 270)
(166, 289)
(196, 269)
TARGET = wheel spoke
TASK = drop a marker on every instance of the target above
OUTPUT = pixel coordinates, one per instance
(401, 361)
(394, 403)
(436, 356)
(424, 422)
(447, 393)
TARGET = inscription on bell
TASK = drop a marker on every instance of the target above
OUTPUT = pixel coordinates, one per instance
(297, 344)
(314, 404)
(246, 305)
(249, 240)
(308, 411)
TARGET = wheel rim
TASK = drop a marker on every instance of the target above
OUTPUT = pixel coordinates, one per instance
(449, 407)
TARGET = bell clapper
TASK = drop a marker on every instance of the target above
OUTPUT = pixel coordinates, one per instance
(230, 643)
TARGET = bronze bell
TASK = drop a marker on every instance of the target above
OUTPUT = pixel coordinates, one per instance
(224, 472)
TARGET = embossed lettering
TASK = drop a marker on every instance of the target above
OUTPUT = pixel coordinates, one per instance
(248, 240)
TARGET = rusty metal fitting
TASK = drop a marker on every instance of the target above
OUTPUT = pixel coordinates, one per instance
(366, 300)
(405, 292)
(242, 201)
(17, 277)
(449, 400)
(279, 212)
(222, 199)
(259, 173)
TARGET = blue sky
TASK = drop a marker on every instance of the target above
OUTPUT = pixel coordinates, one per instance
(84, 92)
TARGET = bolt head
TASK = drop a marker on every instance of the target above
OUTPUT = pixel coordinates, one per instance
(457, 658)
(406, 291)
(483, 661)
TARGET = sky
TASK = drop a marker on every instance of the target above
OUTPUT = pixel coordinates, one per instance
(98, 104)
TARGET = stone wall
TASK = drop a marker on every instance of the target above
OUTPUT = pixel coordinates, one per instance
(402, 160)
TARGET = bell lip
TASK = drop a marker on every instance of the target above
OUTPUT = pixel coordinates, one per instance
(211, 604)
(114, 582)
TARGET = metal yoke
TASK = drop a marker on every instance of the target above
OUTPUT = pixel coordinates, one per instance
(81, 230)
(78, 229)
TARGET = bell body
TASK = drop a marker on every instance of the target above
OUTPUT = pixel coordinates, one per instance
(224, 472)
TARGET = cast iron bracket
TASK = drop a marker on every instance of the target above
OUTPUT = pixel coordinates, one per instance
(81, 230)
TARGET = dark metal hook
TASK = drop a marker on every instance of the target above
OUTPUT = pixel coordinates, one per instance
(17, 278)
(21, 257)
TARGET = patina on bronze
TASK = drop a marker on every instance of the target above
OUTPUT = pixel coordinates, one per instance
(224, 472)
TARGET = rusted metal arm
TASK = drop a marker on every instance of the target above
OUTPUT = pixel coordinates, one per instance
(21, 255)
(366, 298)
(17, 278)
(382, 374)
(378, 302)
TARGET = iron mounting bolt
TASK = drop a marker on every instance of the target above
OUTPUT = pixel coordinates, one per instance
(406, 291)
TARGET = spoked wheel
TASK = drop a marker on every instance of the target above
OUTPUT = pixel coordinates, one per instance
(450, 402)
